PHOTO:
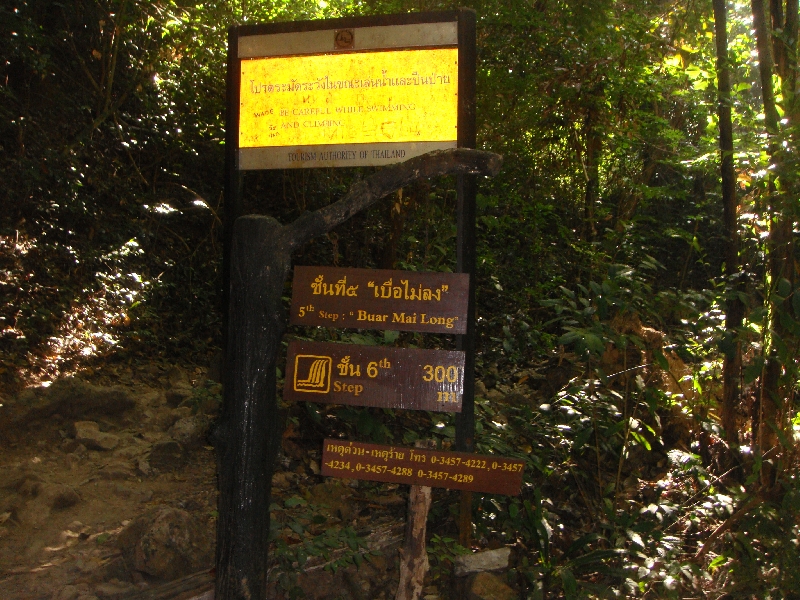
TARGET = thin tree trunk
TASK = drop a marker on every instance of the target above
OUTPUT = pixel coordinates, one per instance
(594, 146)
(775, 398)
(733, 319)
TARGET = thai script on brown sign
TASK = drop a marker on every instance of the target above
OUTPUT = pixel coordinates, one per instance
(415, 466)
(380, 299)
(375, 376)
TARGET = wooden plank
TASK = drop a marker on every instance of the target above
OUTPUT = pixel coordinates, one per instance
(413, 466)
(380, 299)
(382, 376)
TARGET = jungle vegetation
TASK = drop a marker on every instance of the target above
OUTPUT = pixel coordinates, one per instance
(638, 306)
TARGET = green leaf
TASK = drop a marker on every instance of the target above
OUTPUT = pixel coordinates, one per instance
(594, 343)
(568, 338)
(660, 359)
(569, 583)
(635, 537)
(718, 562)
(581, 542)
(751, 372)
(294, 501)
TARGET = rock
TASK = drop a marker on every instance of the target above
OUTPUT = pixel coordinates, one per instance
(68, 592)
(29, 484)
(519, 399)
(167, 543)
(495, 395)
(334, 498)
(59, 496)
(177, 377)
(178, 395)
(480, 389)
(485, 586)
(116, 471)
(113, 590)
(167, 456)
(114, 570)
(71, 398)
(144, 467)
(189, 431)
(283, 481)
(134, 450)
(165, 418)
(88, 433)
(487, 560)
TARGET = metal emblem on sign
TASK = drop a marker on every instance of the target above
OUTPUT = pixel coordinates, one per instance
(344, 39)
(312, 374)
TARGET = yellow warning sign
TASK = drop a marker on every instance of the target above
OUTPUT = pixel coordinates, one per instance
(351, 98)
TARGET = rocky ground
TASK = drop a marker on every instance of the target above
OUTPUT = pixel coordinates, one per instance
(108, 490)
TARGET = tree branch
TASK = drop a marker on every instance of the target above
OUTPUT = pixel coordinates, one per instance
(382, 183)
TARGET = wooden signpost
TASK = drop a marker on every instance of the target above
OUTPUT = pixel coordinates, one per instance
(394, 91)
(414, 466)
(380, 299)
(381, 376)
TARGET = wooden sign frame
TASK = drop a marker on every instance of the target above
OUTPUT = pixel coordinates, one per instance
(425, 301)
(388, 76)
(464, 21)
(464, 471)
(382, 376)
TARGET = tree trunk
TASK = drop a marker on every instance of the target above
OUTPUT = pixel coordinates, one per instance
(247, 437)
(732, 366)
(414, 561)
(594, 147)
(776, 398)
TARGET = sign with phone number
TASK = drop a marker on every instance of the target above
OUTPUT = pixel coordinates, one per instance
(416, 466)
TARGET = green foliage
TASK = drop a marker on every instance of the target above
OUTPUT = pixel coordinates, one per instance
(605, 220)
(301, 531)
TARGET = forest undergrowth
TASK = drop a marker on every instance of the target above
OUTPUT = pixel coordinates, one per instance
(638, 329)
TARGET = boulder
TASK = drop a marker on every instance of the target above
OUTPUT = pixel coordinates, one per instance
(167, 543)
(334, 498)
(109, 591)
(88, 433)
(485, 586)
(189, 431)
(487, 560)
(177, 395)
(167, 455)
(59, 496)
(68, 592)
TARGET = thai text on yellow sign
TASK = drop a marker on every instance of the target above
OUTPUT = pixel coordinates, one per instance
(354, 98)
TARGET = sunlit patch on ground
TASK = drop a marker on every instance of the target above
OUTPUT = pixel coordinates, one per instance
(47, 330)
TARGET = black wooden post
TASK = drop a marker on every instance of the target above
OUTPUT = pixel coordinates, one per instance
(248, 436)
(232, 186)
(466, 190)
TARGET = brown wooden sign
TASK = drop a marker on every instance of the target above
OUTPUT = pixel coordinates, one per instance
(415, 466)
(375, 376)
(380, 299)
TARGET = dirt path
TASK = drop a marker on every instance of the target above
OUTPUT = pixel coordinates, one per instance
(106, 490)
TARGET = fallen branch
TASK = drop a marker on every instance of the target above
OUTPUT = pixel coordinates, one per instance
(726, 525)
